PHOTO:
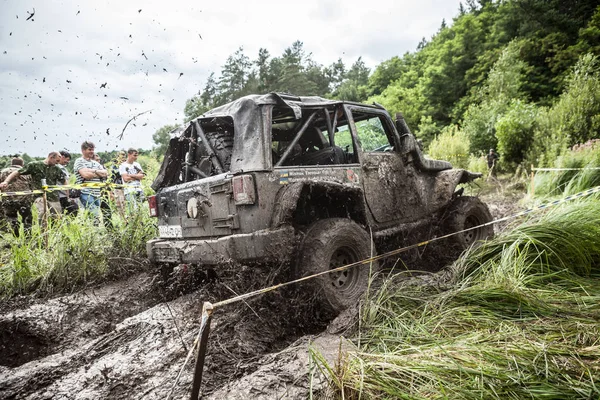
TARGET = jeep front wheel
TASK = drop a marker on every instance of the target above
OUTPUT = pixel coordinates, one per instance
(464, 213)
(329, 244)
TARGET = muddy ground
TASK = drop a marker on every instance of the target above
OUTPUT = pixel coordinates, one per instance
(128, 339)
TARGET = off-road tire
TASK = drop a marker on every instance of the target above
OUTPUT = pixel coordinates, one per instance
(222, 144)
(465, 212)
(331, 243)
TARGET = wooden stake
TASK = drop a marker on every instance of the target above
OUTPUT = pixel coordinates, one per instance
(207, 310)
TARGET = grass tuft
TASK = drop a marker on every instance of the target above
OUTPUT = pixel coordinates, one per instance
(70, 252)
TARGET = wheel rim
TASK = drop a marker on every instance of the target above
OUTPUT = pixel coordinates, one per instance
(342, 280)
(474, 234)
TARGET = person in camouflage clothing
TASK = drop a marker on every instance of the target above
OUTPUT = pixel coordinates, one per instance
(38, 171)
(13, 206)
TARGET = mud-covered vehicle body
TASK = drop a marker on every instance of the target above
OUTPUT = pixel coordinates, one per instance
(321, 183)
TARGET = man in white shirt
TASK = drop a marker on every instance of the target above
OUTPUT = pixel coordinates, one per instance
(132, 173)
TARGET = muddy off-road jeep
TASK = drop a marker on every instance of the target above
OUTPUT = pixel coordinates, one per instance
(314, 182)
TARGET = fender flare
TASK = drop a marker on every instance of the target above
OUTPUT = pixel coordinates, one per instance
(446, 183)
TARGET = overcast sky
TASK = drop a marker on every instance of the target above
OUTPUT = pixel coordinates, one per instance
(79, 70)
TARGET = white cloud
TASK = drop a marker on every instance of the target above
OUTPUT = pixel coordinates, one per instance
(92, 43)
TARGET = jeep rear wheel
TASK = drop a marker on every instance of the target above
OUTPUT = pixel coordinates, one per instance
(329, 244)
(464, 213)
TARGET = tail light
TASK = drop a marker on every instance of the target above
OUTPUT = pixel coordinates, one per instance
(153, 206)
(243, 190)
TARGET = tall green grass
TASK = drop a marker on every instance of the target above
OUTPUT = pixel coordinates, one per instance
(70, 252)
(519, 317)
(557, 183)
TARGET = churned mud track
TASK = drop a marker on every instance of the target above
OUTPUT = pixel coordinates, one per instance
(122, 341)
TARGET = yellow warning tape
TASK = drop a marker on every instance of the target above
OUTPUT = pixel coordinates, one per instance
(52, 188)
(404, 249)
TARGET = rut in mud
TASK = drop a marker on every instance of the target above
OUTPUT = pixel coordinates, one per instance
(123, 340)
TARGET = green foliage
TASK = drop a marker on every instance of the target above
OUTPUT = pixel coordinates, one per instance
(451, 145)
(518, 319)
(574, 118)
(427, 130)
(371, 134)
(515, 131)
(353, 86)
(477, 164)
(496, 98)
(71, 251)
(161, 138)
(562, 183)
(194, 107)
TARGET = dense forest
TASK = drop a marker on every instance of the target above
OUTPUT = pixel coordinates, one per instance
(522, 76)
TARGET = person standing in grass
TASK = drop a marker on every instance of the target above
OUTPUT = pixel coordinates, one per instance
(69, 206)
(87, 170)
(40, 171)
(105, 198)
(132, 174)
(13, 206)
(117, 179)
(492, 161)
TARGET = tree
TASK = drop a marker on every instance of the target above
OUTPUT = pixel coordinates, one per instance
(264, 78)
(354, 86)
(501, 88)
(234, 77)
(336, 73)
(161, 138)
(574, 118)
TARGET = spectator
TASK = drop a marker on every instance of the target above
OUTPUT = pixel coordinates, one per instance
(492, 161)
(41, 171)
(115, 177)
(13, 206)
(87, 170)
(105, 198)
(132, 174)
(68, 205)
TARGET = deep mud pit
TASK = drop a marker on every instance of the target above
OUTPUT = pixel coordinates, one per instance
(124, 341)
(129, 339)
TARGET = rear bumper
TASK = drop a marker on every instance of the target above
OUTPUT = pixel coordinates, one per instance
(265, 246)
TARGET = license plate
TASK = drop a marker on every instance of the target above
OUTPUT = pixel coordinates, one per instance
(170, 231)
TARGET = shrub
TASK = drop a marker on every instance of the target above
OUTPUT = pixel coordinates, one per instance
(514, 130)
(451, 145)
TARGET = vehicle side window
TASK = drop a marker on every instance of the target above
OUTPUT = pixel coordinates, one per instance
(371, 132)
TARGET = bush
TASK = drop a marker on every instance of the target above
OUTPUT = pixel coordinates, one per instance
(514, 131)
(451, 145)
